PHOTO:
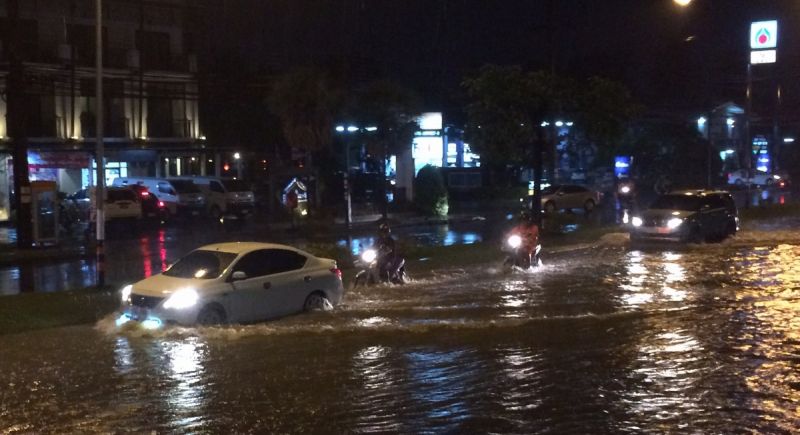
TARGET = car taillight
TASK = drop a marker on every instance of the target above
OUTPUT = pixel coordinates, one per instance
(161, 204)
(336, 271)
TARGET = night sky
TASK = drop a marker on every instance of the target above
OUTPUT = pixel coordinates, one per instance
(432, 44)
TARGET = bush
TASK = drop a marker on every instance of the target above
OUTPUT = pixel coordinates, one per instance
(430, 193)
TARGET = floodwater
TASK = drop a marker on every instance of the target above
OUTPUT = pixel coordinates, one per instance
(703, 339)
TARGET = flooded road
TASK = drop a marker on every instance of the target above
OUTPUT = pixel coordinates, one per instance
(705, 339)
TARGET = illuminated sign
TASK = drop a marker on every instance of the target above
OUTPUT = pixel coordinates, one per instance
(763, 56)
(430, 121)
(764, 34)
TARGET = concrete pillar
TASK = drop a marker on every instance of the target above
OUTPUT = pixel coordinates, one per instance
(217, 164)
(203, 163)
(159, 164)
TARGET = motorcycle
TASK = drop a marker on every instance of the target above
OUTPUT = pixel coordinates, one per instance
(626, 195)
(521, 255)
(371, 274)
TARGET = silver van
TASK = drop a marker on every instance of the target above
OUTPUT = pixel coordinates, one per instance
(226, 196)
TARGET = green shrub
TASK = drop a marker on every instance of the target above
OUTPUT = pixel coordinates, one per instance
(430, 193)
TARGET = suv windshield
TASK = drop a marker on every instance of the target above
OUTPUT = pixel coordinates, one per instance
(678, 202)
(201, 264)
(236, 186)
(184, 186)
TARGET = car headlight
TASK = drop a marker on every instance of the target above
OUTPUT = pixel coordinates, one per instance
(126, 293)
(183, 298)
(636, 221)
(674, 223)
(515, 241)
(369, 255)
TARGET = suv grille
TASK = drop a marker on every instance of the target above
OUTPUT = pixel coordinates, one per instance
(145, 301)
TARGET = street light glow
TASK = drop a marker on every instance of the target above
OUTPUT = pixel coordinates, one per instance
(237, 156)
(376, 128)
(352, 128)
(683, 3)
(340, 128)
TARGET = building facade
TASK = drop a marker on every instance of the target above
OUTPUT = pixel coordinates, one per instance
(150, 88)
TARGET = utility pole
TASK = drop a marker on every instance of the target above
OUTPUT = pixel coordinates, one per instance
(748, 144)
(17, 130)
(100, 192)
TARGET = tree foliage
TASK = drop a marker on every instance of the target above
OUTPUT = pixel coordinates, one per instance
(391, 108)
(306, 102)
(430, 192)
(508, 106)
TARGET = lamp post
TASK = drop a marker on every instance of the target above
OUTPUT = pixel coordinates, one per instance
(238, 158)
(100, 196)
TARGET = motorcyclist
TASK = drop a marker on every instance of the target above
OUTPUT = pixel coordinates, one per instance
(387, 253)
(528, 231)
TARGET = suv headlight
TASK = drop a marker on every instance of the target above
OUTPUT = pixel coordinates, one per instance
(636, 221)
(674, 223)
(126, 293)
(183, 298)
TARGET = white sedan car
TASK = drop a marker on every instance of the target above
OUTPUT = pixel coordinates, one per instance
(233, 283)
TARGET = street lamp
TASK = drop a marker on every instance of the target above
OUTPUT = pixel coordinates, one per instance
(238, 158)
(682, 3)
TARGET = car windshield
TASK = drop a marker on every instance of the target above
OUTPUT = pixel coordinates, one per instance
(201, 264)
(549, 190)
(677, 202)
(235, 186)
(184, 186)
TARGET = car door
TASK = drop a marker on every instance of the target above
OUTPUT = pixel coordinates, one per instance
(573, 197)
(289, 280)
(252, 293)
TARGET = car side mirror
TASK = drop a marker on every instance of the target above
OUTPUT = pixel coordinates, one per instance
(238, 275)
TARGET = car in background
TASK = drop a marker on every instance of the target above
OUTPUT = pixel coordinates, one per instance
(225, 196)
(239, 282)
(740, 178)
(81, 203)
(181, 198)
(122, 203)
(687, 216)
(152, 207)
(568, 197)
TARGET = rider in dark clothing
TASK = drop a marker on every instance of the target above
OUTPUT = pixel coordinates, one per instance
(387, 254)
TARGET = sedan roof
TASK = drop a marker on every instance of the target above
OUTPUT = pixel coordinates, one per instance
(244, 247)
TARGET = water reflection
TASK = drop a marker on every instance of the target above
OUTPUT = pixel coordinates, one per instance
(440, 235)
(378, 399)
(439, 382)
(653, 277)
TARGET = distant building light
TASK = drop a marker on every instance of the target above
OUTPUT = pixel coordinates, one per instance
(371, 129)
(730, 122)
(729, 151)
(237, 156)
(762, 168)
(559, 123)
(763, 56)
(545, 124)
(194, 159)
(352, 128)
(788, 140)
(701, 121)
(202, 137)
(340, 128)
(166, 159)
(570, 123)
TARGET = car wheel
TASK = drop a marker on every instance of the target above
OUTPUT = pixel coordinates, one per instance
(694, 236)
(216, 213)
(211, 314)
(549, 207)
(588, 205)
(730, 230)
(317, 301)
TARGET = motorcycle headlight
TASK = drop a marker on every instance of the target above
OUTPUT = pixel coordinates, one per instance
(369, 255)
(515, 241)
(126, 293)
(625, 189)
(636, 221)
(183, 298)
(674, 223)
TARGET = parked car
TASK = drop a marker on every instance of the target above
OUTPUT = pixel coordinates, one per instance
(152, 207)
(740, 178)
(122, 203)
(569, 196)
(688, 216)
(181, 198)
(225, 196)
(234, 282)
